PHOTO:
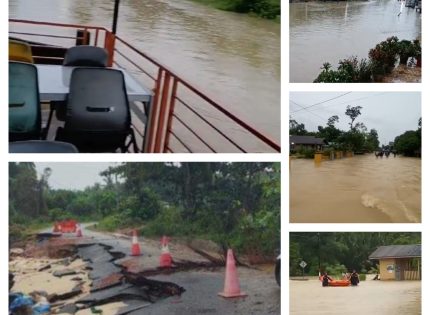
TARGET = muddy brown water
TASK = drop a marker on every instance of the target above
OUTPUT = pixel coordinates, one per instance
(337, 30)
(234, 58)
(370, 297)
(354, 190)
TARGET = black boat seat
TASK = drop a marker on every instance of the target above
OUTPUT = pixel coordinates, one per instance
(98, 116)
(86, 56)
(40, 146)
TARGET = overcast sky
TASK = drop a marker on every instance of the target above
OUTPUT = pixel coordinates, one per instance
(390, 113)
(67, 175)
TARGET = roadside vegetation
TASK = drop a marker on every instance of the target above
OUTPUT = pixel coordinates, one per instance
(268, 9)
(383, 59)
(357, 139)
(341, 252)
(234, 204)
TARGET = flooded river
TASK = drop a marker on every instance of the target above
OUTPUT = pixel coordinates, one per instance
(370, 297)
(358, 189)
(329, 31)
(234, 58)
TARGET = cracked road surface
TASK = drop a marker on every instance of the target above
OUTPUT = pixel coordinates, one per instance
(108, 259)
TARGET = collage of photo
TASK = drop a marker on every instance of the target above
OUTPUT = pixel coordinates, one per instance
(145, 169)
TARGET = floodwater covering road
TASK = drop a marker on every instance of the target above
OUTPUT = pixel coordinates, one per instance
(330, 31)
(104, 256)
(356, 190)
(370, 297)
(232, 57)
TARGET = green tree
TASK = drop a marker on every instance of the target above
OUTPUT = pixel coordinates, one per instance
(331, 250)
(297, 129)
(409, 143)
(330, 133)
(353, 112)
(372, 140)
(23, 191)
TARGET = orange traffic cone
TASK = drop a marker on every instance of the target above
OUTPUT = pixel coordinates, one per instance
(56, 228)
(231, 282)
(165, 258)
(135, 247)
(78, 230)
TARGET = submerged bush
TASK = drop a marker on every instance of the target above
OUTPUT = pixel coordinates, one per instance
(307, 153)
(382, 60)
(350, 70)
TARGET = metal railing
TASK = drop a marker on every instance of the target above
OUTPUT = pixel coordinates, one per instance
(181, 118)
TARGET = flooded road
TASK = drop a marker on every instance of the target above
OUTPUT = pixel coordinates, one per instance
(337, 30)
(370, 297)
(235, 58)
(355, 190)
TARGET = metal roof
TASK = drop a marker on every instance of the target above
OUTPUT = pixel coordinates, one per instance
(396, 251)
(306, 140)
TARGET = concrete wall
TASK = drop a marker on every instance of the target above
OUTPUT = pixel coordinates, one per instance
(387, 269)
(405, 269)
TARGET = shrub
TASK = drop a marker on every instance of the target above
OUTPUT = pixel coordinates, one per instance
(168, 221)
(416, 48)
(306, 153)
(362, 276)
(327, 75)
(336, 270)
(405, 50)
(57, 214)
(258, 233)
(384, 56)
(110, 223)
(350, 70)
(382, 60)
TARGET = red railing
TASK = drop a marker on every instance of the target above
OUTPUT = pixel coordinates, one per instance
(181, 118)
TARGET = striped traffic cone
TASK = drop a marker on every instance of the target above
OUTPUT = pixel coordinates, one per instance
(135, 247)
(165, 258)
(78, 230)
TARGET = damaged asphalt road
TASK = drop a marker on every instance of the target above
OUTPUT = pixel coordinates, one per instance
(121, 284)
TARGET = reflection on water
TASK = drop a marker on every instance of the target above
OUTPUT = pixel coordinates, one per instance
(233, 57)
(357, 189)
(329, 31)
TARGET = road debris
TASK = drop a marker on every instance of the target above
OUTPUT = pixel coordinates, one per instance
(101, 276)
(64, 272)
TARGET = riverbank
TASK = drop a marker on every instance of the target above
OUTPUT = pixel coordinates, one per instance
(268, 9)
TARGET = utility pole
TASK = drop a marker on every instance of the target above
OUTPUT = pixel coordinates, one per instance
(115, 16)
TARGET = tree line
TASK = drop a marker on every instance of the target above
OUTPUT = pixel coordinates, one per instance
(357, 138)
(337, 252)
(233, 204)
(269, 9)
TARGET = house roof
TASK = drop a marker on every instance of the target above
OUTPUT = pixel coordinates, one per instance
(396, 251)
(306, 140)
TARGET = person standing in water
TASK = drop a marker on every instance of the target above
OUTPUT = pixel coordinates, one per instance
(354, 278)
(325, 279)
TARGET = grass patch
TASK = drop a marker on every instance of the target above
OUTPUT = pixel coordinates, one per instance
(268, 9)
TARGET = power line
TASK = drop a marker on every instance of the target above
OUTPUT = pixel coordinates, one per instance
(322, 118)
(356, 100)
(319, 103)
